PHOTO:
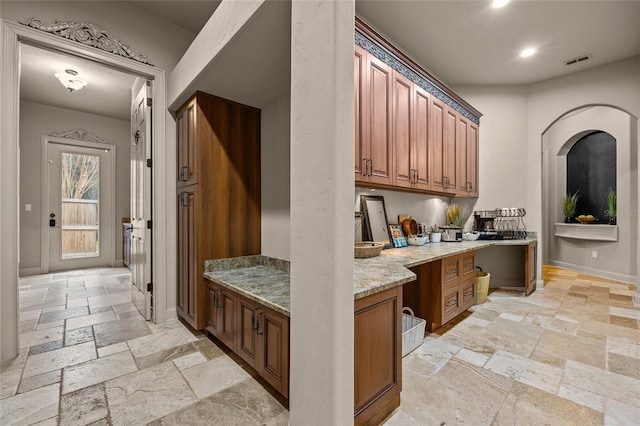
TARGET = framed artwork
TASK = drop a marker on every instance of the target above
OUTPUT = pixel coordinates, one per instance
(397, 237)
(375, 224)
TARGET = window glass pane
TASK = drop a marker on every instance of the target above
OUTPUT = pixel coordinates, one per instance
(80, 205)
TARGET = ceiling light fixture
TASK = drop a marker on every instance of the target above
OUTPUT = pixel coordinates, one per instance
(496, 4)
(529, 51)
(69, 81)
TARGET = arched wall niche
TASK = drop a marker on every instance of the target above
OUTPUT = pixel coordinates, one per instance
(613, 259)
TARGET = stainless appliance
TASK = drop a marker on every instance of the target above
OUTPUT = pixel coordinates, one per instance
(451, 233)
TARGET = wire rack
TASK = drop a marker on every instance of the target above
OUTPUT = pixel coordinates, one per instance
(508, 223)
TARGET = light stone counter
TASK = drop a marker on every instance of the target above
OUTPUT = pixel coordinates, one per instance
(266, 280)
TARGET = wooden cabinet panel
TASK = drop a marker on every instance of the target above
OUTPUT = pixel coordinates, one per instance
(379, 122)
(468, 261)
(450, 150)
(451, 270)
(273, 349)
(227, 309)
(378, 355)
(437, 140)
(451, 303)
(403, 170)
(212, 309)
(359, 87)
(218, 192)
(420, 137)
(467, 293)
(530, 267)
(473, 148)
(188, 278)
(247, 344)
(462, 134)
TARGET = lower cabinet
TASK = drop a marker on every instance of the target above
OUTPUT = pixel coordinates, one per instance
(530, 268)
(256, 333)
(378, 356)
(443, 289)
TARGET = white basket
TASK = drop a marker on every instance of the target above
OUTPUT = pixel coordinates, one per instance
(412, 331)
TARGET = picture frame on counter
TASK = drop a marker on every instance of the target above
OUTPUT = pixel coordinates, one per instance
(397, 237)
(375, 223)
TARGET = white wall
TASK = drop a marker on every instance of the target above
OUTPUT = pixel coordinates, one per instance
(37, 120)
(275, 159)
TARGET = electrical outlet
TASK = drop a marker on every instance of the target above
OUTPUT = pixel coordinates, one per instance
(594, 254)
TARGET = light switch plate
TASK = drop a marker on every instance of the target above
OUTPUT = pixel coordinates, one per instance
(27, 207)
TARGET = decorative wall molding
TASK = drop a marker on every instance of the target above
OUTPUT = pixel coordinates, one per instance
(390, 59)
(80, 135)
(88, 34)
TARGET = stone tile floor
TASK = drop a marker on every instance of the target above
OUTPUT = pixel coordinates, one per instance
(567, 354)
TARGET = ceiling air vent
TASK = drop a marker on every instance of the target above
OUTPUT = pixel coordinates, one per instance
(578, 59)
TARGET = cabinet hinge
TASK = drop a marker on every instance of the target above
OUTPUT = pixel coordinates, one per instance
(149, 102)
(150, 287)
(148, 224)
(148, 162)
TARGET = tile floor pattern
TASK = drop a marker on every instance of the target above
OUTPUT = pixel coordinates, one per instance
(568, 354)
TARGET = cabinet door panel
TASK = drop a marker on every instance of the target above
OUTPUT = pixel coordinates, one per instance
(450, 150)
(360, 125)
(450, 270)
(211, 309)
(379, 83)
(402, 138)
(468, 261)
(473, 159)
(462, 133)
(227, 330)
(450, 303)
(437, 140)
(421, 157)
(468, 293)
(246, 327)
(187, 255)
(273, 335)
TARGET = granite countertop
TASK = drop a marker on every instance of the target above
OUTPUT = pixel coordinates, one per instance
(266, 280)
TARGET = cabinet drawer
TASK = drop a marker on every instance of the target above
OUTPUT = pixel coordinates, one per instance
(450, 270)
(468, 293)
(450, 304)
(468, 261)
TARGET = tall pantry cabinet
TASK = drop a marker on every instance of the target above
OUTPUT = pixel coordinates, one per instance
(218, 192)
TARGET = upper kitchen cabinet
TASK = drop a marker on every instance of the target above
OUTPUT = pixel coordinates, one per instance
(373, 82)
(411, 131)
(218, 193)
(410, 140)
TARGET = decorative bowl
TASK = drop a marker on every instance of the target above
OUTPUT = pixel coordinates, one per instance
(586, 219)
(417, 240)
(470, 236)
(366, 249)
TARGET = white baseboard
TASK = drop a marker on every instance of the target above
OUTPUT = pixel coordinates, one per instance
(628, 279)
(119, 263)
(172, 313)
(25, 272)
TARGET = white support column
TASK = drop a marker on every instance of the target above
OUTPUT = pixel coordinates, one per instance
(322, 192)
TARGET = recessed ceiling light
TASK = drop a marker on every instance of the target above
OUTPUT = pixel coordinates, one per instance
(496, 4)
(529, 51)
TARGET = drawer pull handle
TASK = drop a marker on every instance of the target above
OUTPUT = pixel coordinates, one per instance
(452, 304)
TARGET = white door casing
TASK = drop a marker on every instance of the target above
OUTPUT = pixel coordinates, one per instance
(164, 176)
(141, 208)
(52, 259)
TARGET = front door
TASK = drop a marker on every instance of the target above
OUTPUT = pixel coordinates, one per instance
(79, 218)
(141, 280)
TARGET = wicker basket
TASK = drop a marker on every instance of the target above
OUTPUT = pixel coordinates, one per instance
(412, 331)
(366, 249)
(482, 285)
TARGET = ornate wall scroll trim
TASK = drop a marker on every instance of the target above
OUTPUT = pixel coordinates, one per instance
(88, 34)
(80, 135)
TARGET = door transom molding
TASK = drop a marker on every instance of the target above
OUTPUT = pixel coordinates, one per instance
(79, 135)
(88, 34)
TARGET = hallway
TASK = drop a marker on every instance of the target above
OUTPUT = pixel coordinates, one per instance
(567, 354)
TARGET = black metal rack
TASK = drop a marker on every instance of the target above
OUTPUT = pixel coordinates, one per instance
(501, 224)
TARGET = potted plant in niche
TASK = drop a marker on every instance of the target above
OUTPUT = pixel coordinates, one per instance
(612, 204)
(569, 203)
